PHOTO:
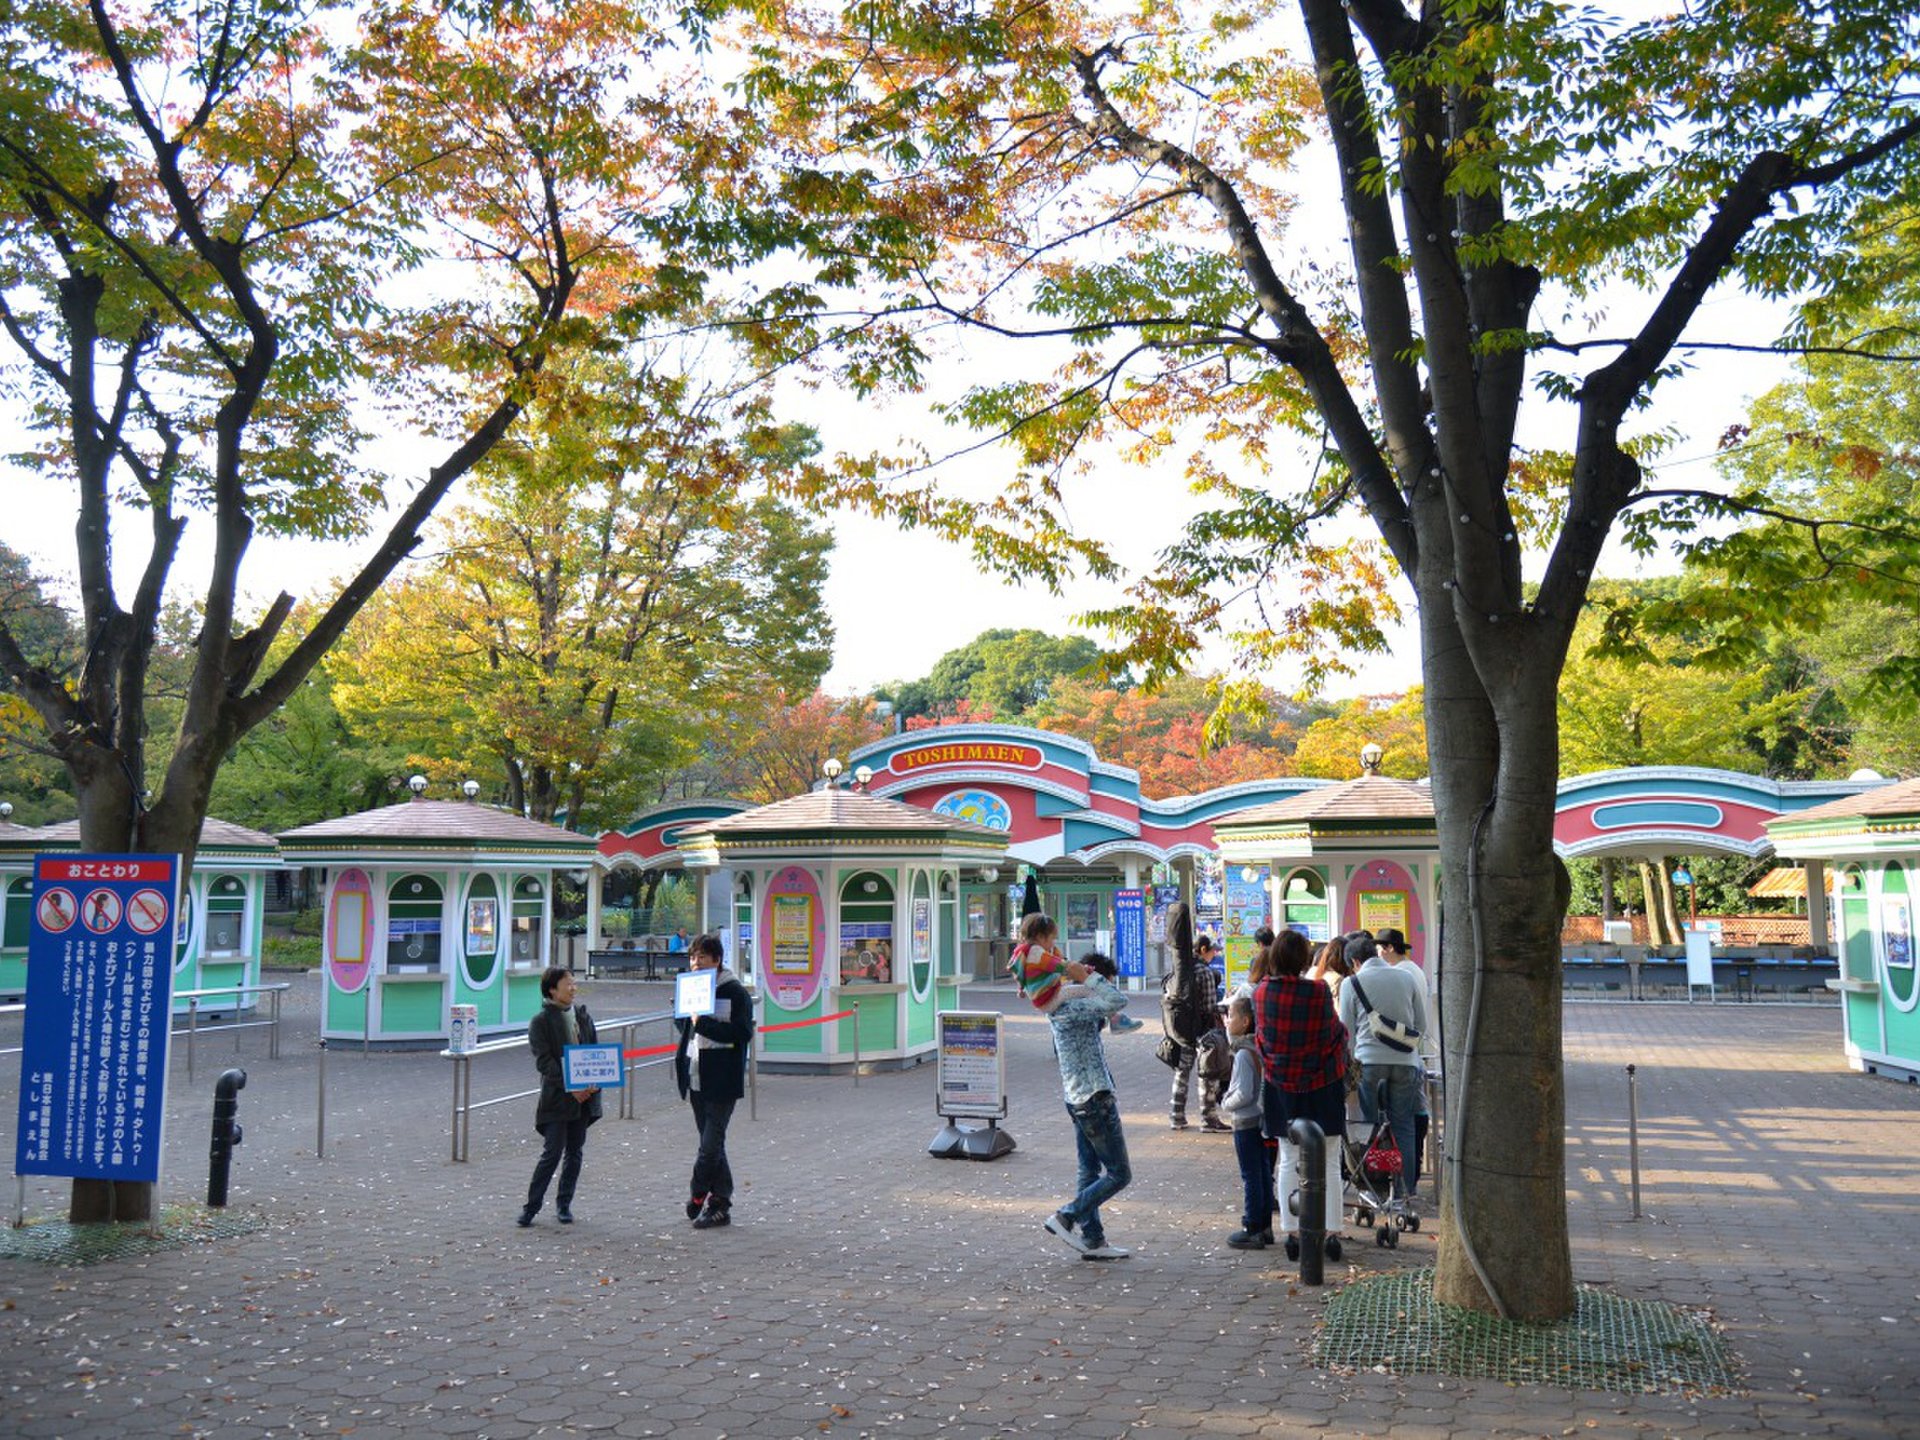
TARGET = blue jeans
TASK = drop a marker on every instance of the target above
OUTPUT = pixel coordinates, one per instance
(1404, 1084)
(1104, 1168)
(1256, 1159)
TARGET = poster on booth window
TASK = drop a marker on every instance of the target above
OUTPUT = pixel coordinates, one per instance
(1383, 910)
(1246, 913)
(93, 1063)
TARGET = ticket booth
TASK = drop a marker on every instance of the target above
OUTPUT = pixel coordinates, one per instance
(17, 848)
(430, 904)
(846, 902)
(222, 920)
(1870, 847)
(1363, 855)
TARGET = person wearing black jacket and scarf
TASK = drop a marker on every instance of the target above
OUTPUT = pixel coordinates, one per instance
(562, 1116)
(1188, 1011)
(710, 1065)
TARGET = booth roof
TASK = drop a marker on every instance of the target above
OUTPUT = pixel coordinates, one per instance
(215, 835)
(1900, 800)
(1783, 882)
(436, 822)
(844, 810)
(1371, 797)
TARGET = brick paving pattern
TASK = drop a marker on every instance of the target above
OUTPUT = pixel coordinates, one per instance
(869, 1289)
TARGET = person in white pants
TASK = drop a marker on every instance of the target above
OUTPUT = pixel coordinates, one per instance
(1303, 1060)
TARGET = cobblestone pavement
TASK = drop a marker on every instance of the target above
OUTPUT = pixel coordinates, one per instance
(869, 1289)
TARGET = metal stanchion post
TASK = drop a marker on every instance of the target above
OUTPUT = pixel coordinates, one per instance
(193, 1027)
(753, 1077)
(273, 1033)
(1633, 1139)
(320, 1109)
(366, 1017)
(456, 1108)
(856, 1044)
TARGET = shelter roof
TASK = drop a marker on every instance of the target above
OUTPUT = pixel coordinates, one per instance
(1783, 882)
(1899, 801)
(835, 812)
(437, 824)
(1368, 798)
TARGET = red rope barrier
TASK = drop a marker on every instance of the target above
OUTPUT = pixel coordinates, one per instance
(764, 1030)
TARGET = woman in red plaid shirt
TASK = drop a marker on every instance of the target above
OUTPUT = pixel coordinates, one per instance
(1303, 1059)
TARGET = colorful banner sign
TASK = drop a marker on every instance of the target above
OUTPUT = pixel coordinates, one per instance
(1384, 910)
(970, 1066)
(924, 757)
(93, 1065)
(1130, 933)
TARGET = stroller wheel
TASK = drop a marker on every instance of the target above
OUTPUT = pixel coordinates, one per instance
(1392, 1240)
(1293, 1247)
(1333, 1247)
(1413, 1222)
(1362, 1216)
(1380, 1236)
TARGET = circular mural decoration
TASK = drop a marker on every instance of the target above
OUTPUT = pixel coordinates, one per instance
(982, 807)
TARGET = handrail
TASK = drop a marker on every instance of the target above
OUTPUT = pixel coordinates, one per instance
(193, 998)
(464, 1104)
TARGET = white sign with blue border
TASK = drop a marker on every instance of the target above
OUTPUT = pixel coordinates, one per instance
(93, 1063)
(584, 1066)
(694, 993)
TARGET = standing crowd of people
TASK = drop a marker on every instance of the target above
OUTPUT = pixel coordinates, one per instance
(1291, 1044)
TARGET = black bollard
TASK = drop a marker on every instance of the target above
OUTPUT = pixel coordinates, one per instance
(226, 1133)
(1312, 1141)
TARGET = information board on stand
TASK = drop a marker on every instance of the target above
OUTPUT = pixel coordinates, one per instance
(93, 1063)
(970, 1082)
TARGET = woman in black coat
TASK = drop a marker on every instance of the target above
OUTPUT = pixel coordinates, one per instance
(710, 1065)
(562, 1115)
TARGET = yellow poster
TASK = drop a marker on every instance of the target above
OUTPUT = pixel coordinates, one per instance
(1383, 910)
(792, 934)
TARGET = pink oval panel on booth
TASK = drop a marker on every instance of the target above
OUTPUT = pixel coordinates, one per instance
(1381, 895)
(794, 921)
(350, 930)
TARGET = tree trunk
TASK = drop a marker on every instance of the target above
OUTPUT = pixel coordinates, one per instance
(1669, 906)
(1503, 1240)
(1650, 902)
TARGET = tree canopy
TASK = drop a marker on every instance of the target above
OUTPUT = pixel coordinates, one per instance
(1537, 202)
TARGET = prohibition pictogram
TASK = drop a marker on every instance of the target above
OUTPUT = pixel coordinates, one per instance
(147, 911)
(101, 912)
(57, 910)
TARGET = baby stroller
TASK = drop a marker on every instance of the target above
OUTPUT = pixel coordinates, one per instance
(1370, 1161)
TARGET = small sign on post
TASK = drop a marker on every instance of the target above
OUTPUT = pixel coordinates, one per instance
(970, 1078)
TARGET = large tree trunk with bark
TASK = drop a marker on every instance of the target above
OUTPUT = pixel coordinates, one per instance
(1503, 1242)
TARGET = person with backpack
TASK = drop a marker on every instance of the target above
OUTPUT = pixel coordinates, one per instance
(1189, 1009)
(1385, 1009)
(710, 1067)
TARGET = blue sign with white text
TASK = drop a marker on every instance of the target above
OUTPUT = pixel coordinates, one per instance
(93, 1064)
(1130, 933)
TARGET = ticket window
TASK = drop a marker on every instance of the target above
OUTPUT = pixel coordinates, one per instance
(529, 908)
(413, 925)
(226, 917)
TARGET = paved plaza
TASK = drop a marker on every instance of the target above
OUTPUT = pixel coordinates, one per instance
(869, 1289)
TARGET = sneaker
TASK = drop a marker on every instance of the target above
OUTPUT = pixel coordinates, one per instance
(564, 1215)
(694, 1205)
(712, 1217)
(1249, 1240)
(1215, 1124)
(1058, 1224)
(1105, 1251)
(1178, 1122)
(525, 1217)
(1125, 1024)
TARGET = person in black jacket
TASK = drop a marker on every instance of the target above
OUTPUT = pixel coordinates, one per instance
(710, 1065)
(563, 1115)
(1188, 1010)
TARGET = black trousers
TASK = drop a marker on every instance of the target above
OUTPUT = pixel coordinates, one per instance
(563, 1146)
(712, 1175)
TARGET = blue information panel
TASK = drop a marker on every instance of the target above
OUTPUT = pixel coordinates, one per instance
(1130, 933)
(93, 1064)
